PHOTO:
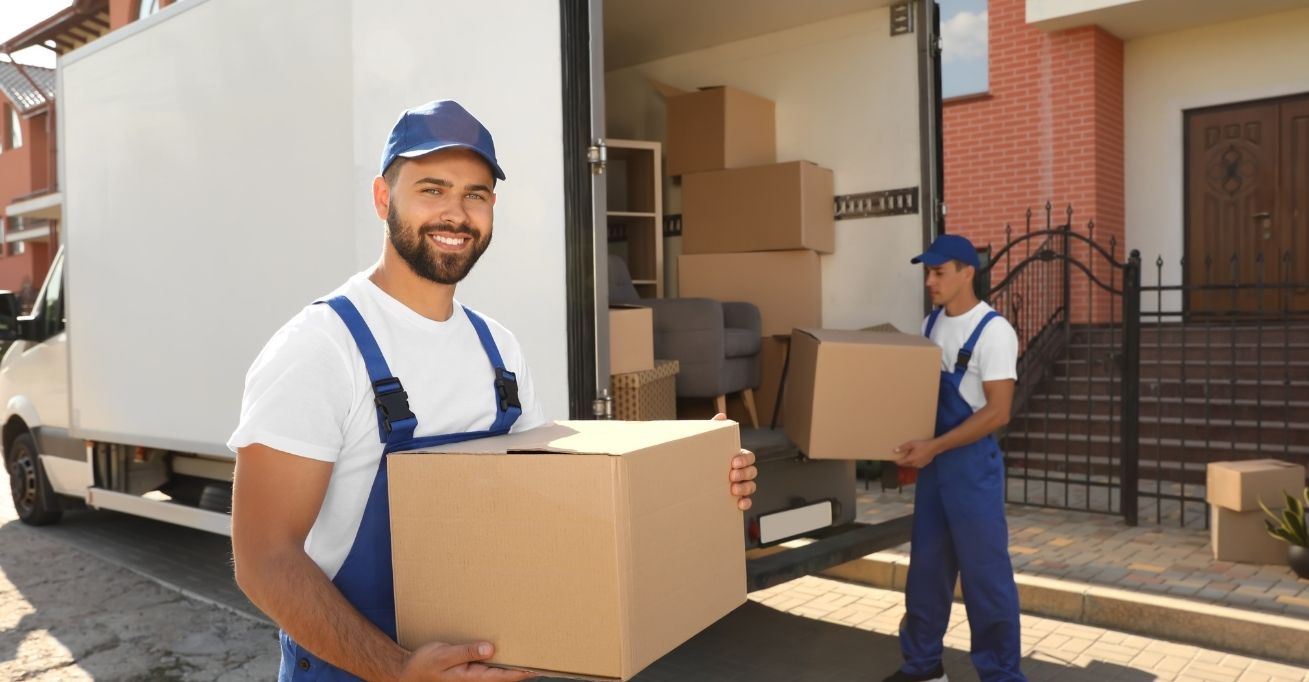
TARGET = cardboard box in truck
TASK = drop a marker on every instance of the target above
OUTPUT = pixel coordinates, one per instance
(719, 127)
(631, 339)
(585, 548)
(860, 394)
(787, 286)
(777, 207)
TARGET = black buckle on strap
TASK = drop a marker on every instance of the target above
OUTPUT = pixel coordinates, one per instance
(392, 400)
(506, 389)
(961, 363)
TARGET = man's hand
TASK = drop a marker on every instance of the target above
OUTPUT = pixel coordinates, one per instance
(917, 453)
(438, 662)
(742, 474)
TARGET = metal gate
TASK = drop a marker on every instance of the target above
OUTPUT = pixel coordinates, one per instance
(1072, 441)
(1126, 392)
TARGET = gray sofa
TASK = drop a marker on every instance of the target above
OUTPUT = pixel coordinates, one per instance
(716, 343)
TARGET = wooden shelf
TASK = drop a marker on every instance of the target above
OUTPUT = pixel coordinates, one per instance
(635, 195)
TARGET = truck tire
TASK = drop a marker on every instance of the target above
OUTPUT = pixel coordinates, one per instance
(34, 500)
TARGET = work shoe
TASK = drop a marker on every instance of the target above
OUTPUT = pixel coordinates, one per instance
(937, 675)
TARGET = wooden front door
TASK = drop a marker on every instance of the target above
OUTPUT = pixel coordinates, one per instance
(1247, 169)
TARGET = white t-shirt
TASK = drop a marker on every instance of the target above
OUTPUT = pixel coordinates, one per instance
(995, 357)
(308, 393)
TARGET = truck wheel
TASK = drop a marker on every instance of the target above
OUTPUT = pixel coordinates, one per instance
(34, 500)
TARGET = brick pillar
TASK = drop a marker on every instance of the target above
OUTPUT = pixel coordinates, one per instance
(122, 12)
(1050, 128)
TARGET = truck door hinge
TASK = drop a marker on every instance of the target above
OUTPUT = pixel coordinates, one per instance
(597, 155)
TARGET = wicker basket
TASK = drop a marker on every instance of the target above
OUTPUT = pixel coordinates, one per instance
(648, 395)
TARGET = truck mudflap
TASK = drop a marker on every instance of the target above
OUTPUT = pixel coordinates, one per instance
(829, 547)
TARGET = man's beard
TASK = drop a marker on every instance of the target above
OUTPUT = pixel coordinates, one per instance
(414, 246)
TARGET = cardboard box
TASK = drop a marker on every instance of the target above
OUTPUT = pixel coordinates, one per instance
(631, 339)
(1239, 485)
(786, 285)
(717, 128)
(764, 208)
(859, 394)
(1240, 536)
(771, 358)
(646, 396)
(585, 549)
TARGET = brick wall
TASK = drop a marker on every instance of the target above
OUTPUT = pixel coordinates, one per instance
(1050, 128)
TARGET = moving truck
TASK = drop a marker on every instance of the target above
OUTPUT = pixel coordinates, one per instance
(215, 161)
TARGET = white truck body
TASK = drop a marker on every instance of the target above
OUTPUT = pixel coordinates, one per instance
(216, 161)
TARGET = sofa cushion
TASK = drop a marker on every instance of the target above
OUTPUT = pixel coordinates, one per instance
(741, 343)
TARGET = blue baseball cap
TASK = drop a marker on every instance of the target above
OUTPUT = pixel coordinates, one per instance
(443, 124)
(946, 248)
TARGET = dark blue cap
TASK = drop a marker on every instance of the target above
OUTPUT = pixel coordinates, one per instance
(949, 247)
(442, 124)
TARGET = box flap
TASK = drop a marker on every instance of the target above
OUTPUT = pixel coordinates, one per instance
(584, 438)
(627, 306)
(868, 337)
(668, 91)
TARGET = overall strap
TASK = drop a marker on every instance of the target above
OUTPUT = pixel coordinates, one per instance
(395, 421)
(931, 321)
(966, 352)
(507, 406)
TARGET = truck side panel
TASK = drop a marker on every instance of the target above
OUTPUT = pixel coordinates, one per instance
(217, 160)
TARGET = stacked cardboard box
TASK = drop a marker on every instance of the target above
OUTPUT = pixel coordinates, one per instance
(752, 228)
(1233, 491)
(631, 339)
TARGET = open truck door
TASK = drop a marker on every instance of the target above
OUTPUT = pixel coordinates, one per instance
(857, 89)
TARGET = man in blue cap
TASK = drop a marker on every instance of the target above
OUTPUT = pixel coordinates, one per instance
(959, 526)
(324, 403)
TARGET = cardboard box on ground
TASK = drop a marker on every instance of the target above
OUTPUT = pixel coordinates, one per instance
(1240, 537)
(1233, 490)
(860, 394)
(1240, 485)
(586, 549)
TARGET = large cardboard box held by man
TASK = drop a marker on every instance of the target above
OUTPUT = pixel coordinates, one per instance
(1239, 485)
(719, 127)
(584, 549)
(860, 394)
(777, 207)
(787, 286)
(631, 339)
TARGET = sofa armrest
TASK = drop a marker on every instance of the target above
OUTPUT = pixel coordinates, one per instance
(738, 315)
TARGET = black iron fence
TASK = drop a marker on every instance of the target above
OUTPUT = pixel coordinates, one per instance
(1127, 391)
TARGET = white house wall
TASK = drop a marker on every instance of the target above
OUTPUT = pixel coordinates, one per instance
(1164, 76)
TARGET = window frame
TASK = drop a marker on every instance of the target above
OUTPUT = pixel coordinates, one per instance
(15, 129)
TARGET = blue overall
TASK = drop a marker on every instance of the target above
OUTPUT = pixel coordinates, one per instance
(365, 578)
(960, 530)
